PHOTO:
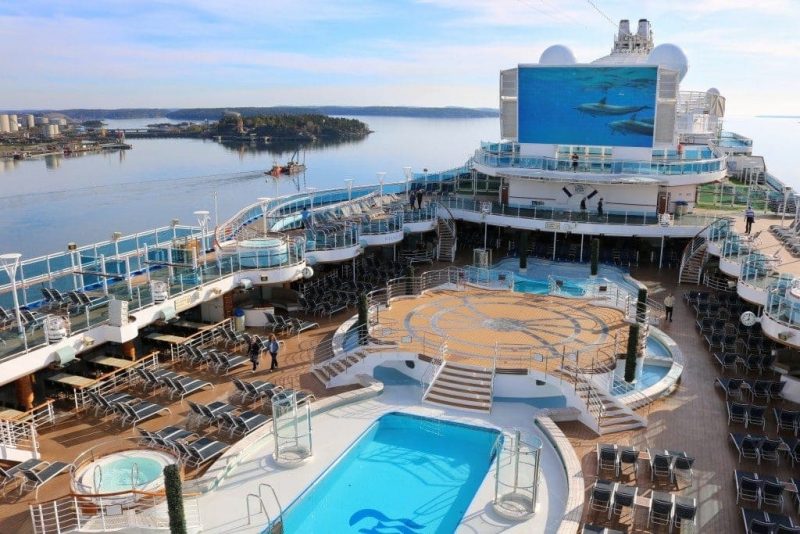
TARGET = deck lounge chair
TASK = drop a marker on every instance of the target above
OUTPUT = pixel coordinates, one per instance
(660, 466)
(772, 492)
(731, 386)
(660, 512)
(756, 416)
(751, 362)
(782, 522)
(685, 512)
(255, 390)
(624, 497)
(737, 413)
(787, 419)
(776, 390)
(748, 487)
(607, 458)
(683, 466)
(601, 497)
(783, 529)
(747, 446)
(184, 385)
(244, 423)
(35, 479)
(727, 360)
(203, 450)
(225, 362)
(9, 475)
(298, 325)
(629, 456)
(769, 449)
(141, 411)
(757, 522)
(759, 389)
(108, 403)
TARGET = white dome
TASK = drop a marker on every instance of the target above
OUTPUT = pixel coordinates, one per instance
(713, 91)
(671, 57)
(557, 55)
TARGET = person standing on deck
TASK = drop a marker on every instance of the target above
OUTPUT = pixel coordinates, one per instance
(419, 197)
(600, 208)
(273, 347)
(583, 208)
(749, 218)
(574, 162)
(412, 196)
(306, 217)
(669, 305)
(254, 353)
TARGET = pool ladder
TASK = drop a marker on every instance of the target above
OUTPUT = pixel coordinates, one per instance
(275, 527)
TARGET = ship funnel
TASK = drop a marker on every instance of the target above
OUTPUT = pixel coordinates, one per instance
(624, 27)
(644, 28)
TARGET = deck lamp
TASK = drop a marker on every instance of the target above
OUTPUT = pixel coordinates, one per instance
(349, 182)
(407, 172)
(381, 176)
(202, 221)
(264, 202)
(10, 262)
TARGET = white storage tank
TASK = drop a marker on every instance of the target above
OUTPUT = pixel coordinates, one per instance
(4, 124)
(43, 120)
(30, 121)
(62, 122)
(13, 124)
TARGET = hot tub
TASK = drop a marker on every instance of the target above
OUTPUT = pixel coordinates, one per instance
(123, 471)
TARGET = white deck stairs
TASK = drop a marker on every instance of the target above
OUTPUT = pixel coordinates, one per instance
(610, 414)
(693, 261)
(465, 387)
(446, 232)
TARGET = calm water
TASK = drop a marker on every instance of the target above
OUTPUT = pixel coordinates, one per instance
(46, 203)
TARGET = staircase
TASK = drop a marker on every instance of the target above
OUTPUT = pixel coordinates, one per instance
(446, 232)
(326, 371)
(466, 387)
(693, 260)
(610, 414)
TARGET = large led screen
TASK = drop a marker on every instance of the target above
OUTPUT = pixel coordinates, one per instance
(606, 106)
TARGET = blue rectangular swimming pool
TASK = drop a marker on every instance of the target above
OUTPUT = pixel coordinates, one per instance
(406, 474)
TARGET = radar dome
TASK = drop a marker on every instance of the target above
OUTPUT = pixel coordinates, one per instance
(671, 57)
(713, 91)
(557, 55)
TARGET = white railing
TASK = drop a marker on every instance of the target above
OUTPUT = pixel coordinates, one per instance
(19, 435)
(110, 512)
(112, 381)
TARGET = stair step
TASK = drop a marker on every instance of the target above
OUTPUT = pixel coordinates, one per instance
(458, 381)
(469, 368)
(465, 405)
(320, 376)
(467, 388)
(460, 395)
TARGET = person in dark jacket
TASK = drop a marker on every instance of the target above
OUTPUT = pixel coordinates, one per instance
(254, 352)
(419, 197)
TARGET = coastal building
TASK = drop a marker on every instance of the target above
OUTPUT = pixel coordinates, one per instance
(425, 371)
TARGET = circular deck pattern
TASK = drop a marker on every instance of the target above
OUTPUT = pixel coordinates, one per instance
(476, 324)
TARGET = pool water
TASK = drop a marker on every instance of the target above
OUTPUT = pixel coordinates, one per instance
(650, 375)
(117, 474)
(406, 474)
(575, 276)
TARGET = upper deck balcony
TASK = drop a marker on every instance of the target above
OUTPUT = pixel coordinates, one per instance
(695, 165)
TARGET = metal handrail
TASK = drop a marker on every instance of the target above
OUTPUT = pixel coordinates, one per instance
(261, 506)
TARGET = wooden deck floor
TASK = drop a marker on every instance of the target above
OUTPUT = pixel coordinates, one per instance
(692, 419)
(68, 438)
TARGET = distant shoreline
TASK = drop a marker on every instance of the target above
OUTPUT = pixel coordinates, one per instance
(198, 114)
(778, 116)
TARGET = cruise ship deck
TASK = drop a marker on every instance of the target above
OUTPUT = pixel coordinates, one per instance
(512, 309)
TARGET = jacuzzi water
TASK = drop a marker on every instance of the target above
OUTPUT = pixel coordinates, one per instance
(574, 276)
(406, 474)
(123, 471)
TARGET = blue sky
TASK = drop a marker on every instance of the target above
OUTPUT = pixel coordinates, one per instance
(196, 53)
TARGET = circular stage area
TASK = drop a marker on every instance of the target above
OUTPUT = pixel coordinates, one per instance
(475, 324)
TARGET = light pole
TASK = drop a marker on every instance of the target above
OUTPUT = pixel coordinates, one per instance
(407, 172)
(349, 182)
(202, 220)
(381, 176)
(115, 237)
(174, 223)
(264, 201)
(311, 191)
(10, 262)
(486, 209)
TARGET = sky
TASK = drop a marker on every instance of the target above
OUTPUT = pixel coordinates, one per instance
(224, 53)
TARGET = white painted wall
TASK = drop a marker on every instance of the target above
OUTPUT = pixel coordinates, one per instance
(687, 193)
(616, 197)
